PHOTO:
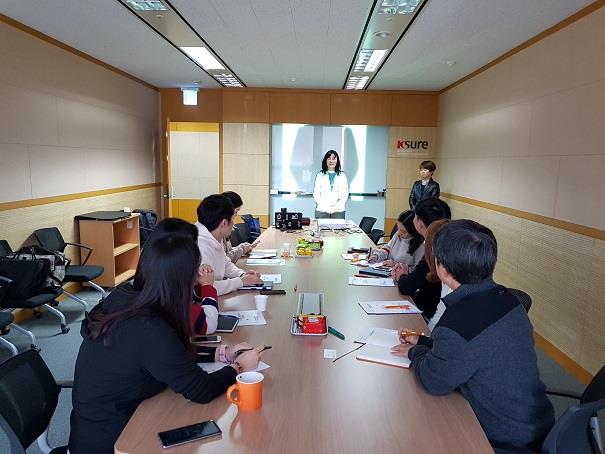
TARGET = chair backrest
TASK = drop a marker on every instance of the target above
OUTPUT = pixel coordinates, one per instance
(28, 395)
(240, 234)
(5, 248)
(522, 297)
(50, 238)
(4, 283)
(595, 389)
(375, 235)
(148, 219)
(366, 224)
(253, 225)
(394, 231)
(571, 432)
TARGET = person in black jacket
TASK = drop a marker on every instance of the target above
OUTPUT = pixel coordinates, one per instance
(426, 187)
(426, 295)
(137, 343)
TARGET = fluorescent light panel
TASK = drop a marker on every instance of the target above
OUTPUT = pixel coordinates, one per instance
(147, 5)
(189, 96)
(369, 60)
(203, 56)
(398, 6)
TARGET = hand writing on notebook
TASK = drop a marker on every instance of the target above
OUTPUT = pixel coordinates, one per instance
(205, 275)
(401, 350)
(248, 360)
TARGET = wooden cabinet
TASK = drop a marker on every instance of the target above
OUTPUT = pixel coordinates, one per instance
(116, 247)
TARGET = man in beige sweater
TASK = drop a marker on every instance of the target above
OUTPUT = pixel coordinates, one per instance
(215, 222)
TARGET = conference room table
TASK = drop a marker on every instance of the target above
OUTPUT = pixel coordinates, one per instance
(311, 404)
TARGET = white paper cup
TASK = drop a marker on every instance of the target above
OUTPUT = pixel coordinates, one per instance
(261, 302)
(286, 247)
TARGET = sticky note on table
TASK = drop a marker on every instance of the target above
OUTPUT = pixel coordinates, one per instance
(329, 353)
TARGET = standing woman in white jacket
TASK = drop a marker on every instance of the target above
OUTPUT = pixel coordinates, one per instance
(331, 189)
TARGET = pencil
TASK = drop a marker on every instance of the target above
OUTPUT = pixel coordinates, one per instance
(405, 306)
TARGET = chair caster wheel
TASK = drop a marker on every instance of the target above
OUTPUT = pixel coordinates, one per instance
(64, 329)
(54, 303)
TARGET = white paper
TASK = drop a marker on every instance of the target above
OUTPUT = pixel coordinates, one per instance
(350, 256)
(263, 253)
(379, 307)
(213, 367)
(372, 281)
(329, 353)
(260, 262)
(382, 337)
(275, 278)
(382, 355)
(248, 318)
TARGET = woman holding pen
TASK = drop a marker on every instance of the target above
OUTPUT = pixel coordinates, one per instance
(137, 343)
(405, 247)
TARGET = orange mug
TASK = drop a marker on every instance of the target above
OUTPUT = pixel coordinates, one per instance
(248, 391)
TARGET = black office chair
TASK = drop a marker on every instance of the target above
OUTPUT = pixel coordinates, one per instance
(393, 231)
(28, 399)
(366, 224)
(253, 226)
(51, 238)
(6, 318)
(523, 297)
(240, 234)
(595, 391)
(148, 219)
(375, 235)
(5, 248)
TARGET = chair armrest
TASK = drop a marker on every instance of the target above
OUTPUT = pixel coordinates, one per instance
(81, 246)
(563, 393)
(146, 228)
(65, 384)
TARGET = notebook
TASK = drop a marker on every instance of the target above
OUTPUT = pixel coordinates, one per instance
(377, 348)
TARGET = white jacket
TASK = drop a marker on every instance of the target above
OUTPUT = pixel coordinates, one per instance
(226, 274)
(331, 200)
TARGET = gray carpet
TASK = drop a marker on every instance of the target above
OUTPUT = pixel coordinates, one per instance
(60, 350)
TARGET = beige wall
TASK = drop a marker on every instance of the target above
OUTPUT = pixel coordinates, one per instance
(528, 134)
(69, 126)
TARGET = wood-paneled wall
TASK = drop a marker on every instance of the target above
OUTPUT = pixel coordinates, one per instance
(527, 135)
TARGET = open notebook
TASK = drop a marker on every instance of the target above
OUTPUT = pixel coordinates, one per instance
(377, 348)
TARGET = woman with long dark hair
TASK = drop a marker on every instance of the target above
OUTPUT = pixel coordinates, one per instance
(405, 247)
(137, 343)
(331, 189)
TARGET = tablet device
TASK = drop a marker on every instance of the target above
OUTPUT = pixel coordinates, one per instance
(226, 323)
(375, 272)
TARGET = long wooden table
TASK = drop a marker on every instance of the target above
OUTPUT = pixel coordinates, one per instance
(311, 405)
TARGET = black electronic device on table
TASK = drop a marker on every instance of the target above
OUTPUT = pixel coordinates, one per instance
(186, 434)
(288, 221)
(226, 323)
(375, 272)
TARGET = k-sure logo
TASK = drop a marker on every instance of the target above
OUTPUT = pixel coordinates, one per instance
(412, 144)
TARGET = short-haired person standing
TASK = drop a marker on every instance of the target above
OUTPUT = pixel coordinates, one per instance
(331, 189)
(426, 187)
(215, 222)
(483, 344)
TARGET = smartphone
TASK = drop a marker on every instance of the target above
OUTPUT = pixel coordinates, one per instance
(206, 339)
(186, 434)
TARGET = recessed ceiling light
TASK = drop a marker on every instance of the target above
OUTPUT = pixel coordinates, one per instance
(159, 16)
(203, 56)
(196, 82)
(382, 34)
(450, 63)
(292, 79)
(147, 5)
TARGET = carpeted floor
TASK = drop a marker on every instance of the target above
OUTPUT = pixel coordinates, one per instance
(60, 350)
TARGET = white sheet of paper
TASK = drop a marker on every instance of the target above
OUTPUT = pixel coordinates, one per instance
(379, 307)
(248, 318)
(260, 262)
(213, 367)
(378, 336)
(329, 353)
(350, 256)
(371, 281)
(262, 253)
(275, 278)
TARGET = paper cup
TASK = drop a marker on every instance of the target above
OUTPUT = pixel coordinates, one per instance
(261, 302)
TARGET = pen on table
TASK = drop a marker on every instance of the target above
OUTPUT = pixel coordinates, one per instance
(267, 347)
(336, 333)
(239, 352)
(400, 306)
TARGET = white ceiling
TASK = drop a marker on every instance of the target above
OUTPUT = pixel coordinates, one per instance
(269, 42)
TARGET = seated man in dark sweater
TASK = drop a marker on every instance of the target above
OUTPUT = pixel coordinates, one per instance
(483, 344)
(425, 294)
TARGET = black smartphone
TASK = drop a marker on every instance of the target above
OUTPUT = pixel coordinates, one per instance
(206, 339)
(186, 434)
(272, 292)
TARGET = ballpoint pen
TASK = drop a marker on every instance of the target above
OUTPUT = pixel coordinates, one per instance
(400, 306)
